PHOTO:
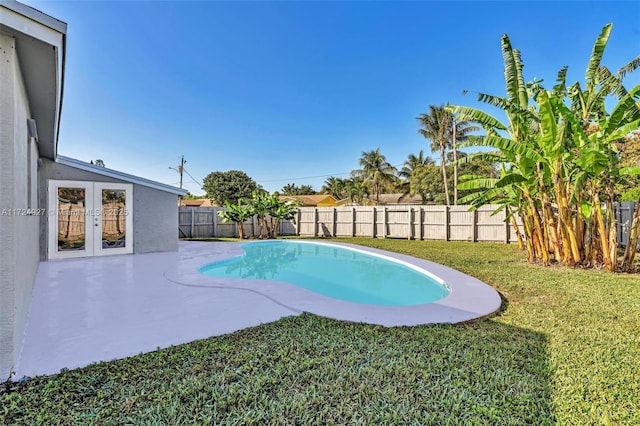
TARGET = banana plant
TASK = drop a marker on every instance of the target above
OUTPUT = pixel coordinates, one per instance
(237, 213)
(559, 155)
(280, 210)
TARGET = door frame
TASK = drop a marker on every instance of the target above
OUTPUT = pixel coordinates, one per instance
(93, 212)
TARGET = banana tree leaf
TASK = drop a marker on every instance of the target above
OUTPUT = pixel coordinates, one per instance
(480, 117)
(596, 56)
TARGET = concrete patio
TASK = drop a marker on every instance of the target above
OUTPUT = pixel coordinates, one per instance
(95, 309)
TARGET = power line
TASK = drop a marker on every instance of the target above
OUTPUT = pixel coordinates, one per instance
(192, 178)
(312, 177)
(281, 180)
(306, 177)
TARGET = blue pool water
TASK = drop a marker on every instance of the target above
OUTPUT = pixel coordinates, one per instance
(333, 271)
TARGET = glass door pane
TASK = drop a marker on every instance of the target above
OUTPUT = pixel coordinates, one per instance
(114, 228)
(114, 225)
(91, 219)
(72, 224)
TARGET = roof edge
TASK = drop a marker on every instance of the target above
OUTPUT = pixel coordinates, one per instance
(72, 162)
(35, 15)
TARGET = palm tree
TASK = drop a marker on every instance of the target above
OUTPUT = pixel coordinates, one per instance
(460, 130)
(444, 130)
(357, 190)
(413, 162)
(289, 189)
(376, 172)
(435, 126)
(335, 187)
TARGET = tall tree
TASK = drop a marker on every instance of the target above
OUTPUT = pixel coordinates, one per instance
(357, 190)
(413, 162)
(375, 172)
(426, 180)
(460, 130)
(445, 130)
(230, 186)
(336, 187)
(435, 126)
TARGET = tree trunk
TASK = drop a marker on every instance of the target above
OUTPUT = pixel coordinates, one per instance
(444, 174)
(542, 248)
(516, 230)
(455, 166)
(613, 233)
(275, 223)
(602, 232)
(632, 243)
(526, 221)
(564, 215)
(551, 229)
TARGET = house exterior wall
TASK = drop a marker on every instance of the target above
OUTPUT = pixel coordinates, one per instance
(155, 220)
(19, 240)
(155, 212)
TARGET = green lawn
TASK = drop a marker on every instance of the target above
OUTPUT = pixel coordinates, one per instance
(565, 349)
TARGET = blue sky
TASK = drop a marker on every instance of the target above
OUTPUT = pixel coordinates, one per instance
(286, 90)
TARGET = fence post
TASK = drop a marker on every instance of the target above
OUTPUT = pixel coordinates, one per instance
(335, 220)
(353, 221)
(316, 219)
(215, 221)
(373, 213)
(507, 229)
(619, 225)
(298, 222)
(474, 226)
(420, 223)
(446, 223)
(410, 233)
(193, 218)
(384, 223)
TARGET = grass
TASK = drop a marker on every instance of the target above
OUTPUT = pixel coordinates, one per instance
(565, 349)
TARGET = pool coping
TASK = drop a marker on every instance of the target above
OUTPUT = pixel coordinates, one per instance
(469, 298)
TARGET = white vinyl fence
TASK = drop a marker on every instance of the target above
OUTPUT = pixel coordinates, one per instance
(453, 223)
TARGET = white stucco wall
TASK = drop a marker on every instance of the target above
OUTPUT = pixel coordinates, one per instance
(19, 243)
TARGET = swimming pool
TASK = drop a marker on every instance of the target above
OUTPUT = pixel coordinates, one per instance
(468, 297)
(338, 272)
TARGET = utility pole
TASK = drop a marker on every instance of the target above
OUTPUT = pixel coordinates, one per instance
(455, 166)
(180, 169)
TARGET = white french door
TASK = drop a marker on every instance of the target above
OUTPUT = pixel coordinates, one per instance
(89, 218)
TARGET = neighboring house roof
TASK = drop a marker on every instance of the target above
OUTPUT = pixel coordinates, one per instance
(311, 200)
(198, 202)
(72, 162)
(399, 198)
(40, 41)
